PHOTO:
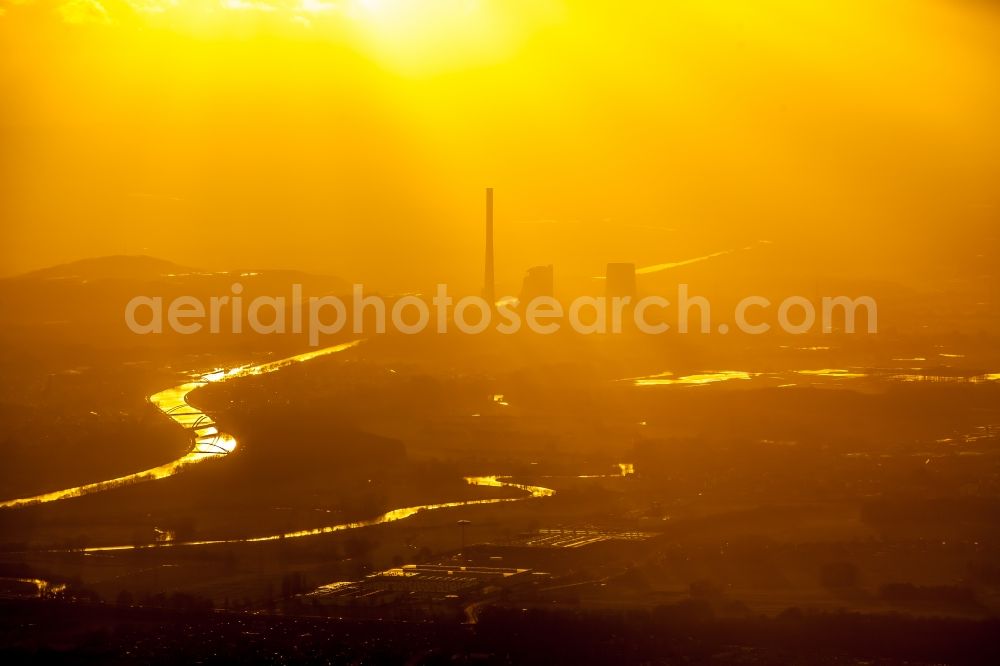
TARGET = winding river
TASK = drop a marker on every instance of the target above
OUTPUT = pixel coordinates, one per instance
(208, 443)
(387, 517)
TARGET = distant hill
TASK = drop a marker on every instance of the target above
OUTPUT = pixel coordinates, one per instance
(141, 269)
(83, 302)
(119, 267)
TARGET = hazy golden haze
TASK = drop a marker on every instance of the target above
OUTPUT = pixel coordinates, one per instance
(860, 138)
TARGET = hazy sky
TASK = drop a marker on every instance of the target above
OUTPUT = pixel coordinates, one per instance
(355, 138)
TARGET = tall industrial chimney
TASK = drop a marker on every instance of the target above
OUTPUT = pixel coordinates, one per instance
(489, 287)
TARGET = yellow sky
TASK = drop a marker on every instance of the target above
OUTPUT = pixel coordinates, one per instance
(356, 137)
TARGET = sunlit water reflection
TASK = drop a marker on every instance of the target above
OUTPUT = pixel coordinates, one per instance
(790, 377)
(210, 443)
(668, 378)
(207, 441)
(387, 517)
(42, 588)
